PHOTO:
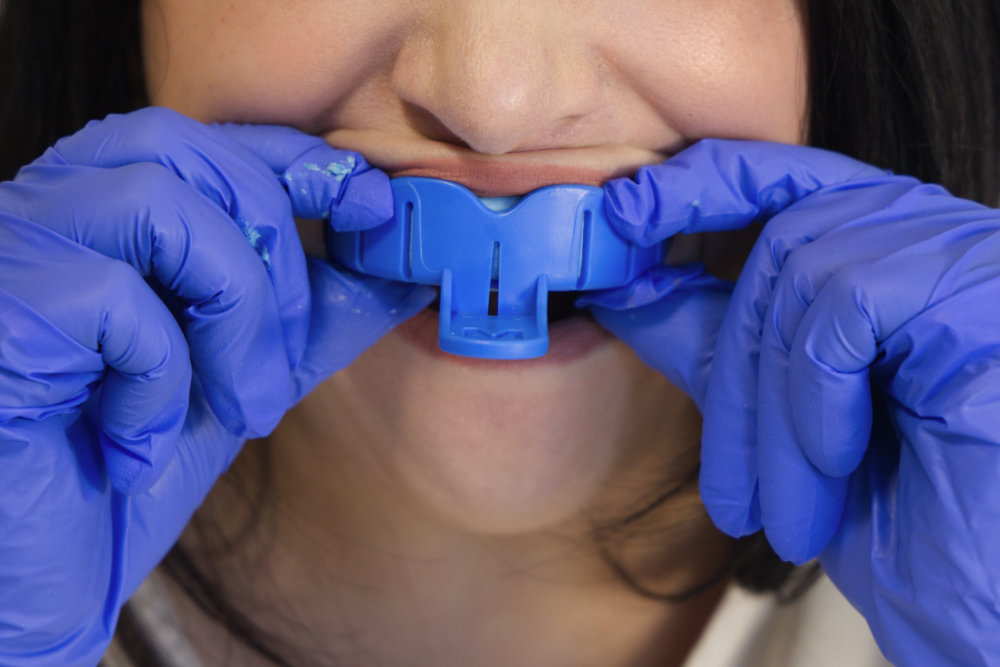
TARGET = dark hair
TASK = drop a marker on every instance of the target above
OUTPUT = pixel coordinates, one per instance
(912, 86)
(908, 85)
(63, 63)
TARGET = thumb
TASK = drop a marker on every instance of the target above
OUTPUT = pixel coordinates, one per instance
(720, 185)
(350, 312)
(321, 181)
(670, 317)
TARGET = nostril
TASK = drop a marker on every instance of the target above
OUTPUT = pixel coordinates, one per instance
(428, 125)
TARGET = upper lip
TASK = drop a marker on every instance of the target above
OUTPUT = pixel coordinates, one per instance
(494, 175)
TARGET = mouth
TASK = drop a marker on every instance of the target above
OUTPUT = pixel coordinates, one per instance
(574, 335)
(510, 174)
(562, 306)
(573, 332)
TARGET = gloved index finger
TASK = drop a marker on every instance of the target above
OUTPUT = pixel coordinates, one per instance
(719, 185)
(244, 189)
(322, 181)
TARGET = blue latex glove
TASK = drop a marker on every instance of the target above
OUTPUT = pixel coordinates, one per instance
(859, 278)
(119, 408)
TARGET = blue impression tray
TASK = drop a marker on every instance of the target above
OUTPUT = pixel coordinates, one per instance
(495, 267)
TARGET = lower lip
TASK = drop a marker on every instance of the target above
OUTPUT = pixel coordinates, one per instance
(570, 339)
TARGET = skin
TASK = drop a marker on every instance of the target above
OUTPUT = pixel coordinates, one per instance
(429, 512)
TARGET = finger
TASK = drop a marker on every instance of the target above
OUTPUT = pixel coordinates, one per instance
(370, 306)
(350, 313)
(861, 306)
(322, 182)
(145, 396)
(221, 169)
(733, 412)
(166, 231)
(729, 456)
(800, 506)
(670, 317)
(64, 306)
(723, 185)
(821, 335)
(728, 474)
(28, 390)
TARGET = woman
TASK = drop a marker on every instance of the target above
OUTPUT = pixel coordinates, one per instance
(412, 508)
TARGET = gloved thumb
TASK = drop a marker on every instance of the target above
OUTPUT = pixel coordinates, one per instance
(350, 312)
(670, 317)
(722, 185)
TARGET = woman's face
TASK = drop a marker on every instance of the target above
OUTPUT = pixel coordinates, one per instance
(504, 96)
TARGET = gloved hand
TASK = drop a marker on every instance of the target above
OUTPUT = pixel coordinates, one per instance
(156, 309)
(859, 279)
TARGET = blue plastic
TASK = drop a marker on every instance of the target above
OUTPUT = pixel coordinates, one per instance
(495, 267)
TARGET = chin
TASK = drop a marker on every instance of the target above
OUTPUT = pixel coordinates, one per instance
(507, 447)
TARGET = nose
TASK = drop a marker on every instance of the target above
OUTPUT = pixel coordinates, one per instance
(499, 75)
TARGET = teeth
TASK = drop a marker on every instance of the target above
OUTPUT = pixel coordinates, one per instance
(500, 204)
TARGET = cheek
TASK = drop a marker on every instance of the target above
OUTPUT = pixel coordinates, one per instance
(721, 68)
(259, 61)
(724, 68)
